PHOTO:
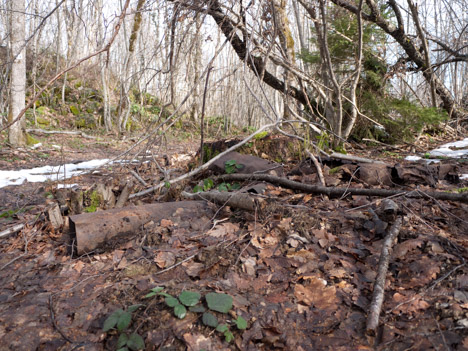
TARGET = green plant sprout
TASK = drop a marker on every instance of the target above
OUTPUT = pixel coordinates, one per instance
(207, 185)
(121, 320)
(217, 302)
(231, 166)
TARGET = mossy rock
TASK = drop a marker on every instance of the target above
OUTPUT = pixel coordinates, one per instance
(85, 121)
(42, 121)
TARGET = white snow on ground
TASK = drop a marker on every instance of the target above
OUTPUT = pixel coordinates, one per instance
(53, 173)
(460, 149)
(413, 158)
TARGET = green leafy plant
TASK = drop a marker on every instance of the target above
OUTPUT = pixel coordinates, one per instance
(207, 185)
(121, 320)
(216, 302)
(228, 186)
(231, 166)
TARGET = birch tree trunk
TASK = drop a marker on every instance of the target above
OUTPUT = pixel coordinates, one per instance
(16, 135)
(125, 99)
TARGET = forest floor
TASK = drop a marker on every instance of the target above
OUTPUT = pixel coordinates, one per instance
(300, 271)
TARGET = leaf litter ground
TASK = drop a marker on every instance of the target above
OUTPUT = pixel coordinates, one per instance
(301, 273)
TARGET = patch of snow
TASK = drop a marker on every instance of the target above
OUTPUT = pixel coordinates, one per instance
(36, 146)
(461, 149)
(52, 173)
(413, 158)
(66, 186)
(464, 176)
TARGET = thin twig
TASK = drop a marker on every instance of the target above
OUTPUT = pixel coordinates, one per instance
(317, 166)
(54, 323)
(140, 179)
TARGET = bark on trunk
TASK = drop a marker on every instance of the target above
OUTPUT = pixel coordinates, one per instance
(16, 135)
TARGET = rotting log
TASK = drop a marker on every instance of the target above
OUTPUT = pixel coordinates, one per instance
(103, 228)
(339, 192)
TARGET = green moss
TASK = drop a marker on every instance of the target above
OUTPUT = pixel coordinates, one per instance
(95, 200)
(75, 110)
(30, 140)
(260, 135)
(42, 121)
(209, 153)
(334, 170)
(85, 121)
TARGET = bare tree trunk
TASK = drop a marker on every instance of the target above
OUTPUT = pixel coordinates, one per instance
(16, 135)
(125, 112)
(287, 45)
(101, 30)
(425, 46)
(357, 72)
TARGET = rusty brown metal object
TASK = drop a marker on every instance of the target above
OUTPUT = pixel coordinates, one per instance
(94, 230)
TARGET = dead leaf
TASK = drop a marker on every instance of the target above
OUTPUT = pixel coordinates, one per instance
(316, 293)
(122, 264)
(223, 229)
(403, 248)
(248, 266)
(78, 266)
(409, 304)
(197, 342)
(193, 269)
(165, 259)
(166, 223)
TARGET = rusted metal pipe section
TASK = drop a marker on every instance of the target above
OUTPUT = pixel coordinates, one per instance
(103, 228)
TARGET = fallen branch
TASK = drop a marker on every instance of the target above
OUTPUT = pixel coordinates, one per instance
(317, 166)
(338, 192)
(67, 132)
(11, 230)
(237, 200)
(137, 177)
(379, 285)
(355, 158)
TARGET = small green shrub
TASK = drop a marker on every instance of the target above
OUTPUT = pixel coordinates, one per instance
(121, 320)
(231, 166)
(216, 302)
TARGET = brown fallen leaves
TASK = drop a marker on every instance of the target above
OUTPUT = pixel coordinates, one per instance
(302, 275)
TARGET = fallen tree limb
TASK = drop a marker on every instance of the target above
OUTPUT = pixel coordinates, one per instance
(243, 201)
(67, 132)
(338, 192)
(12, 230)
(379, 285)
(354, 158)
